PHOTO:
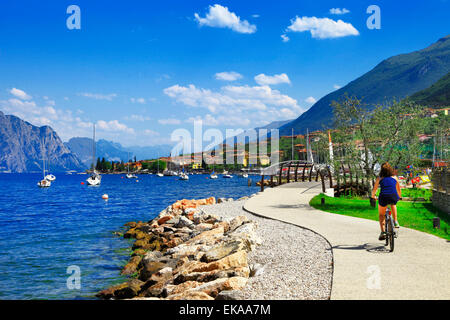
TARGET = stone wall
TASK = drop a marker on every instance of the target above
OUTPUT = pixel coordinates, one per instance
(441, 188)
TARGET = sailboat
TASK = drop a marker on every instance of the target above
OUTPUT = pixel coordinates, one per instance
(213, 174)
(50, 177)
(95, 178)
(130, 175)
(44, 183)
(159, 174)
(184, 176)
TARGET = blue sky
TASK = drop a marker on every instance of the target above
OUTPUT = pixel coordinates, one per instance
(141, 69)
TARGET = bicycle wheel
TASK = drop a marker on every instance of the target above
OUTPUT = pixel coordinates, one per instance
(390, 234)
(386, 229)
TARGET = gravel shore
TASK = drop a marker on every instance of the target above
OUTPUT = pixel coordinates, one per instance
(296, 263)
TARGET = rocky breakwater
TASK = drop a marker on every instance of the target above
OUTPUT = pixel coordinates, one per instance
(185, 253)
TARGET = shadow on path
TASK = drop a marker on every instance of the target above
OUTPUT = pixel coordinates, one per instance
(369, 247)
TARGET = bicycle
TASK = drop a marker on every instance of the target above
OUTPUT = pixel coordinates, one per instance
(389, 227)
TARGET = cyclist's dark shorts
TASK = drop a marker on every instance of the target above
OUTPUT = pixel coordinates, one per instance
(386, 199)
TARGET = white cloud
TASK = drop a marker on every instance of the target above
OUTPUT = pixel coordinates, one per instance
(336, 86)
(99, 96)
(221, 17)
(170, 121)
(137, 117)
(137, 100)
(66, 123)
(210, 120)
(265, 80)
(114, 126)
(60, 120)
(149, 132)
(339, 11)
(284, 38)
(20, 94)
(310, 100)
(236, 105)
(228, 76)
(255, 15)
(322, 28)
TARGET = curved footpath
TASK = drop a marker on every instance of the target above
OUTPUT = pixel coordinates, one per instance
(363, 269)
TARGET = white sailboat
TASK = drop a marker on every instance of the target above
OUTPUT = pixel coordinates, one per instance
(159, 174)
(95, 178)
(184, 176)
(213, 174)
(44, 183)
(245, 175)
(130, 175)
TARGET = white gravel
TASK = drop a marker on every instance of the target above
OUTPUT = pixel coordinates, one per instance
(297, 262)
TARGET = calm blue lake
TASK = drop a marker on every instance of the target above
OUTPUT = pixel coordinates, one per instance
(44, 231)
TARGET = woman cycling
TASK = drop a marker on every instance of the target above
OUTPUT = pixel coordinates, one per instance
(390, 193)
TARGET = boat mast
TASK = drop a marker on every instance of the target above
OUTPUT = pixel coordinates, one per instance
(93, 152)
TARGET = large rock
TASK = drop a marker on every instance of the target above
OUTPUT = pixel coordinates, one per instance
(184, 222)
(190, 295)
(235, 260)
(211, 275)
(164, 219)
(214, 287)
(131, 266)
(210, 234)
(237, 222)
(126, 290)
(222, 250)
(179, 288)
(247, 232)
(229, 295)
(150, 268)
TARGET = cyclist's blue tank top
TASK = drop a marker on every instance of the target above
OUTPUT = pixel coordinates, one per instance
(388, 185)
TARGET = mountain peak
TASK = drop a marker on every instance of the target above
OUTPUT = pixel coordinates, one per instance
(21, 147)
(446, 38)
(394, 78)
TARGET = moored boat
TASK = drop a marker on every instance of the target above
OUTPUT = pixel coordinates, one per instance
(95, 178)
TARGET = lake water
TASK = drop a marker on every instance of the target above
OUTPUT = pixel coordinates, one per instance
(44, 231)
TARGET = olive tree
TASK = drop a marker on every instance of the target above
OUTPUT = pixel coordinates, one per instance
(368, 136)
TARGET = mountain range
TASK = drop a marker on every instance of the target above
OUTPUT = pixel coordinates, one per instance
(23, 146)
(423, 75)
(438, 95)
(397, 77)
(113, 151)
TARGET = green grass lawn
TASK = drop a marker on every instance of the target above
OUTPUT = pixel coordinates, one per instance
(418, 216)
(417, 193)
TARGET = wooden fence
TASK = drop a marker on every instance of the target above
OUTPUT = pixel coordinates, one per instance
(441, 187)
(346, 180)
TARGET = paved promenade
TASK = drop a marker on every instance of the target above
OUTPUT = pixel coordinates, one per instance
(419, 267)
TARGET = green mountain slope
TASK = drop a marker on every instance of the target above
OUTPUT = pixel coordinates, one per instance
(438, 95)
(396, 77)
